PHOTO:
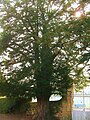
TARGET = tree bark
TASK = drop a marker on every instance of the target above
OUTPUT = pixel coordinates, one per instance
(65, 112)
(42, 110)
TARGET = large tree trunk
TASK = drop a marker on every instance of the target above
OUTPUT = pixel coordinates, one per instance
(65, 112)
(42, 110)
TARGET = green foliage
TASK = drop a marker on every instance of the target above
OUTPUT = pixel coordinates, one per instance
(85, 57)
(13, 105)
(4, 39)
(6, 104)
(44, 44)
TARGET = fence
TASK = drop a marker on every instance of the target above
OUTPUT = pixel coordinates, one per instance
(81, 107)
(81, 114)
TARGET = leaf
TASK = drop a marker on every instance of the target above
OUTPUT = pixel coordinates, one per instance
(85, 57)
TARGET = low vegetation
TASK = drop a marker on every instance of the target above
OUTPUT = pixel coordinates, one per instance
(12, 105)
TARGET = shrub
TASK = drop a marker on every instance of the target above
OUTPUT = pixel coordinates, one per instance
(13, 105)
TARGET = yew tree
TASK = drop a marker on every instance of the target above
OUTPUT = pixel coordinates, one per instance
(42, 45)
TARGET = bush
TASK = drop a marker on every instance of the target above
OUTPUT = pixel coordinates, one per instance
(12, 105)
(6, 104)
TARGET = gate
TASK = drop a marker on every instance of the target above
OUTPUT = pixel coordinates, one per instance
(81, 114)
(81, 105)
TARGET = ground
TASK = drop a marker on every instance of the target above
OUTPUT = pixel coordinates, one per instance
(14, 117)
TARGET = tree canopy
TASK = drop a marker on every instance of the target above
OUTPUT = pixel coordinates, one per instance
(43, 47)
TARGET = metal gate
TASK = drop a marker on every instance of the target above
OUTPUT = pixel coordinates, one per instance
(81, 105)
(81, 114)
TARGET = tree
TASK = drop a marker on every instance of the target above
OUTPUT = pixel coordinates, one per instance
(41, 45)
